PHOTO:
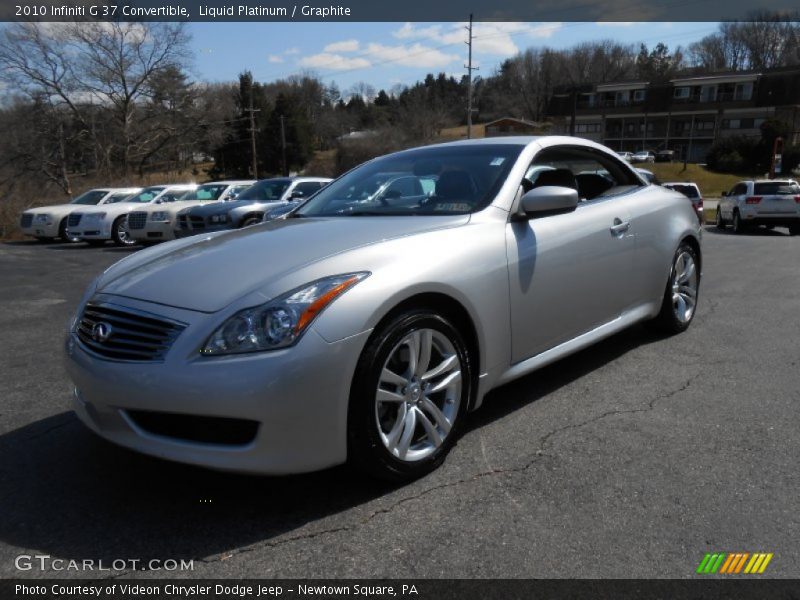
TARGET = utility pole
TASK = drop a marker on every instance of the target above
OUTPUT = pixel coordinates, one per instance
(253, 131)
(469, 69)
(283, 148)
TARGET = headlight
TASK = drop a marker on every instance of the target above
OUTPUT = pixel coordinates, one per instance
(219, 218)
(280, 322)
(42, 218)
(160, 216)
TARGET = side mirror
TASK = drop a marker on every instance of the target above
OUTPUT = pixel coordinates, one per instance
(548, 200)
(724, 193)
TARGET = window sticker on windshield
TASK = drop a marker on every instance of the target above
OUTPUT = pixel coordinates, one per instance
(496, 162)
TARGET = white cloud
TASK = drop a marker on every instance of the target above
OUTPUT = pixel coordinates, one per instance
(496, 39)
(337, 62)
(344, 46)
(273, 58)
(290, 51)
(416, 55)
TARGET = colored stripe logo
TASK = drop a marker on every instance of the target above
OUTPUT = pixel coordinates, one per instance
(734, 563)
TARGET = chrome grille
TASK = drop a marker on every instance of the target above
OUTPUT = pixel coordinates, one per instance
(26, 221)
(74, 219)
(134, 335)
(136, 220)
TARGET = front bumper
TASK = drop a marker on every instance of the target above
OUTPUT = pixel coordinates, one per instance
(45, 230)
(778, 220)
(154, 231)
(297, 396)
(91, 230)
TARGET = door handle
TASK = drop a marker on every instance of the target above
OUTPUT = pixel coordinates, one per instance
(619, 227)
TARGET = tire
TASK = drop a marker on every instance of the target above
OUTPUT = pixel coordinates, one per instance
(64, 236)
(377, 428)
(119, 232)
(738, 226)
(794, 229)
(250, 221)
(719, 222)
(674, 316)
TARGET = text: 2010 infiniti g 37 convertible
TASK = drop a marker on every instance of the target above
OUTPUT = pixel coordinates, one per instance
(366, 323)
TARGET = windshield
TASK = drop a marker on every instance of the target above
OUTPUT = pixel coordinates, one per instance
(119, 197)
(777, 188)
(267, 190)
(90, 197)
(147, 194)
(687, 190)
(425, 181)
(209, 191)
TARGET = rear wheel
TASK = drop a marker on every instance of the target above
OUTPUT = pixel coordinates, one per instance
(738, 226)
(120, 233)
(720, 224)
(680, 296)
(409, 396)
(64, 234)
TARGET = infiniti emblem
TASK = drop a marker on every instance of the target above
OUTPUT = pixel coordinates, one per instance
(101, 332)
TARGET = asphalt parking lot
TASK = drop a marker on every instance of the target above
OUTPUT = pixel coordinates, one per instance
(630, 459)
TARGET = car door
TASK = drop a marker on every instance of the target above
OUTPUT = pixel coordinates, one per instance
(570, 273)
(739, 191)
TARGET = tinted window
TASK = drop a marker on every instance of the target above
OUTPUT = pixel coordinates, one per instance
(687, 190)
(307, 187)
(118, 197)
(777, 188)
(147, 194)
(90, 197)
(209, 191)
(266, 190)
(467, 177)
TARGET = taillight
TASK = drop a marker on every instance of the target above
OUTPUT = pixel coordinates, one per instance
(752, 200)
(797, 199)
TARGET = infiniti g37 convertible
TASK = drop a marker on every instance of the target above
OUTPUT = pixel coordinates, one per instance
(364, 327)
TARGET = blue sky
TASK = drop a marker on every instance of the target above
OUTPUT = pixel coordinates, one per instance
(386, 54)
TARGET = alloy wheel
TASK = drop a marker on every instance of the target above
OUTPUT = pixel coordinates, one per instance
(123, 235)
(684, 287)
(418, 395)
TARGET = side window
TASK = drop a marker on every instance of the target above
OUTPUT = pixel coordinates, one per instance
(739, 189)
(591, 173)
(307, 187)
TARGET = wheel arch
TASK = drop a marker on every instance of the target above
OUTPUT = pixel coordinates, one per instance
(695, 244)
(454, 310)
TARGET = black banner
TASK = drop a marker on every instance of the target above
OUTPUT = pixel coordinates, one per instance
(160, 589)
(375, 10)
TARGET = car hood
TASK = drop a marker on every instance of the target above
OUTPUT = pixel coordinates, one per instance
(206, 273)
(115, 208)
(218, 207)
(57, 210)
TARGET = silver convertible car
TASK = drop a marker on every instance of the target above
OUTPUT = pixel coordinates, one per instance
(362, 329)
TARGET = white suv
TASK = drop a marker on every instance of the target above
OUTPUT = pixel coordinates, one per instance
(770, 202)
(98, 224)
(46, 223)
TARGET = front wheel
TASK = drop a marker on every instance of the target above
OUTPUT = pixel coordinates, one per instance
(65, 235)
(409, 396)
(719, 222)
(120, 233)
(251, 221)
(680, 296)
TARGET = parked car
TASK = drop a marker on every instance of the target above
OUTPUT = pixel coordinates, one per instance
(665, 156)
(366, 331)
(155, 221)
(209, 193)
(625, 156)
(648, 175)
(46, 223)
(691, 191)
(96, 225)
(775, 203)
(643, 156)
(250, 206)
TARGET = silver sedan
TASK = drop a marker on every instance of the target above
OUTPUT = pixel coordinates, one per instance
(362, 329)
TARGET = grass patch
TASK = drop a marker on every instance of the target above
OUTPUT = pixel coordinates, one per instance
(711, 184)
